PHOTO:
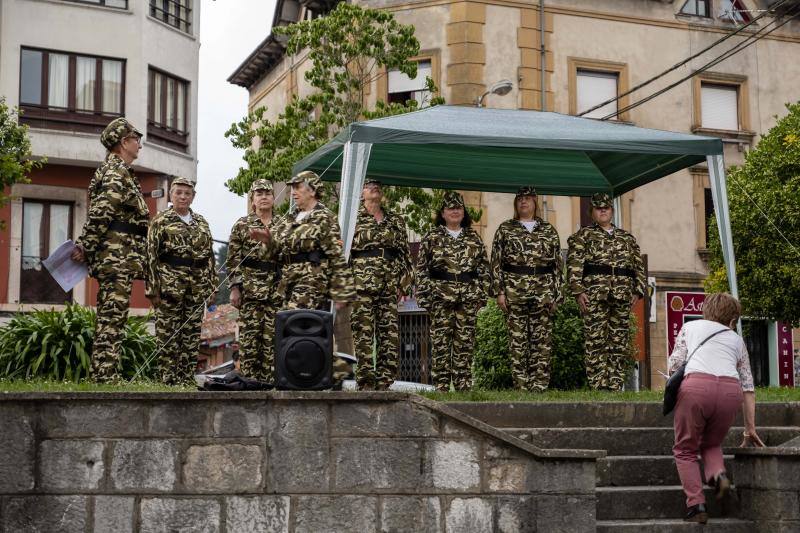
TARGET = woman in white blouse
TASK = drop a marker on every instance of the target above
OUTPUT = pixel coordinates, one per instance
(717, 382)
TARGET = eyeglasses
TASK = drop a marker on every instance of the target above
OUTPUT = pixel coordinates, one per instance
(136, 138)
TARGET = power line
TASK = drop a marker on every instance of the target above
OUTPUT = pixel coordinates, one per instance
(681, 63)
(736, 49)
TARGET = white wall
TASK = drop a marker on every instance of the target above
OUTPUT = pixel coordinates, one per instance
(131, 35)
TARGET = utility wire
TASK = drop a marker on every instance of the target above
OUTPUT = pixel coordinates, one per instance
(681, 63)
(736, 49)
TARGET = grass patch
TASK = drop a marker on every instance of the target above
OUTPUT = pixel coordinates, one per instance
(766, 394)
(86, 386)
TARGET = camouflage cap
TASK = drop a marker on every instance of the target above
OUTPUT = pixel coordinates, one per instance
(178, 180)
(452, 200)
(372, 180)
(117, 129)
(261, 185)
(527, 190)
(601, 199)
(308, 177)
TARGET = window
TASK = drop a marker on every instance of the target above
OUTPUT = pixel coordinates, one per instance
(401, 88)
(70, 91)
(719, 106)
(45, 226)
(121, 4)
(733, 11)
(167, 110)
(592, 82)
(701, 8)
(176, 13)
(594, 88)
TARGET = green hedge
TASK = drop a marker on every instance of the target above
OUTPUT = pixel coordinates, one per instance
(57, 345)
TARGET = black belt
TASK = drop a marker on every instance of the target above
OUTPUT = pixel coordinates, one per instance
(127, 227)
(315, 257)
(607, 270)
(177, 261)
(388, 253)
(266, 266)
(463, 277)
(528, 270)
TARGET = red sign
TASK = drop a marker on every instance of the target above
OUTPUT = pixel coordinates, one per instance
(682, 307)
(785, 357)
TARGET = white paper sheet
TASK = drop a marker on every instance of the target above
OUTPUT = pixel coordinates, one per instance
(64, 270)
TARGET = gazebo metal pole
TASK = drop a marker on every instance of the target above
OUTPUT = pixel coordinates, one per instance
(354, 168)
(719, 193)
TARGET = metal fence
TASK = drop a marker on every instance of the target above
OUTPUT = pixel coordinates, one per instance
(415, 354)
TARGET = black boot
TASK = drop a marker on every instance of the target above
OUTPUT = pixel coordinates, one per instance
(697, 513)
(722, 485)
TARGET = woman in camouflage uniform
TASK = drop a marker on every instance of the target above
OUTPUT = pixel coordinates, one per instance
(180, 278)
(453, 282)
(527, 277)
(382, 270)
(253, 273)
(606, 274)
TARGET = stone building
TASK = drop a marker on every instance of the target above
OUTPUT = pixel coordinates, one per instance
(72, 67)
(569, 55)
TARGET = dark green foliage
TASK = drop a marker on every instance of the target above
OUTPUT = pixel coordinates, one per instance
(15, 151)
(223, 291)
(764, 201)
(57, 345)
(491, 366)
(567, 369)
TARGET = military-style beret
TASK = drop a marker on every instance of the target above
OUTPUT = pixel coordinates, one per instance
(527, 190)
(261, 185)
(117, 129)
(452, 200)
(178, 180)
(309, 178)
(601, 199)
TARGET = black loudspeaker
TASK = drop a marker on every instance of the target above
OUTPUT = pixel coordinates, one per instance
(303, 350)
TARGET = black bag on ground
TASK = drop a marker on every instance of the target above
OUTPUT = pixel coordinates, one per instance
(234, 381)
(674, 382)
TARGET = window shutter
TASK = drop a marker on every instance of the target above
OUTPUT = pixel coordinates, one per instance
(595, 87)
(720, 107)
(400, 83)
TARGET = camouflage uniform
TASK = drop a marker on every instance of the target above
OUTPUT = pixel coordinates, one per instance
(253, 267)
(314, 270)
(453, 282)
(113, 239)
(381, 264)
(181, 271)
(527, 268)
(593, 251)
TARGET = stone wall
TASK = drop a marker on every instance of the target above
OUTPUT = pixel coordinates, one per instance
(768, 483)
(289, 462)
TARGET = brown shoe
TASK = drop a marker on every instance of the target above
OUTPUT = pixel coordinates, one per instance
(697, 513)
(722, 485)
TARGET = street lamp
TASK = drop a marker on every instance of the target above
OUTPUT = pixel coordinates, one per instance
(500, 88)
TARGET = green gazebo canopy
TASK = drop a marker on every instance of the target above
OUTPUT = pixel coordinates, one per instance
(481, 149)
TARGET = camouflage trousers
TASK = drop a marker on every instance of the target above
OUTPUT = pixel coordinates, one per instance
(452, 341)
(178, 322)
(530, 331)
(606, 331)
(113, 300)
(257, 338)
(375, 320)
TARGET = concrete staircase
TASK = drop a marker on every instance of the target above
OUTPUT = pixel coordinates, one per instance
(637, 484)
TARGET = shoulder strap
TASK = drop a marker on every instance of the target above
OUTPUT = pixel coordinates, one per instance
(705, 340)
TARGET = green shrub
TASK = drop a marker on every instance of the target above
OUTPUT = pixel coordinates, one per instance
(57, 345)
(567, 368)
(491, 367)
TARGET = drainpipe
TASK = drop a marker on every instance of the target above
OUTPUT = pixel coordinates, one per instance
(543, 61)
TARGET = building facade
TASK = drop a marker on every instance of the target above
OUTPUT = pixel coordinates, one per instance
(569, 55)
(72, 67)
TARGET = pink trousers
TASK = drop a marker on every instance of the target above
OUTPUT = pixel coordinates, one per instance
(706, 408)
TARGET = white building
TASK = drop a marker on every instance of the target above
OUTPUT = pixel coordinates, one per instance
(72, 67)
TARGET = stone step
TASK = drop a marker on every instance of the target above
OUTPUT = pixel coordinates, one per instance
(670, 525)
(607, 414)
(639, 470)
(634, 440)
(669, 501)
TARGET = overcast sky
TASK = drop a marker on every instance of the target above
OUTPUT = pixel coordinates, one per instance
(229, 31)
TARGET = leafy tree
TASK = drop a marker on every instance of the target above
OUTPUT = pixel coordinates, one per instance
(223, 292)
(15, 151)
(349, 49)
(764, 201)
